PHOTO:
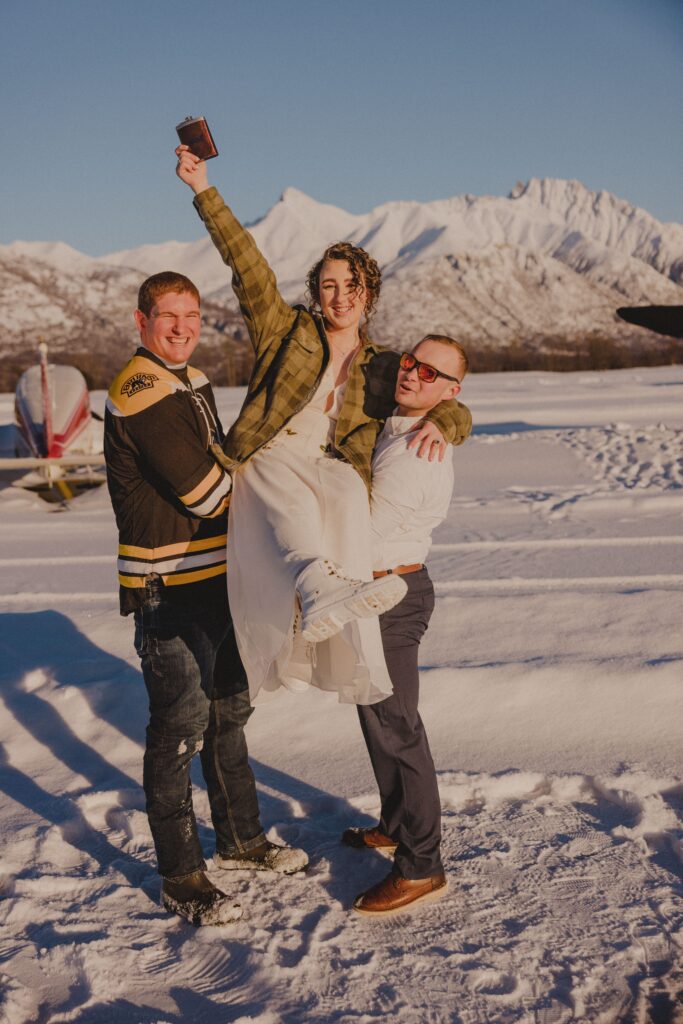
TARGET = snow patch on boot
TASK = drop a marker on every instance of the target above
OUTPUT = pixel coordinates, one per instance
(285, 860)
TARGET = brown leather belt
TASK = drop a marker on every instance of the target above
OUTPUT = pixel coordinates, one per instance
(400, 570)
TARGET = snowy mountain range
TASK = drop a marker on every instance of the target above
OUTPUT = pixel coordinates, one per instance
(546, 265)
(82, 308)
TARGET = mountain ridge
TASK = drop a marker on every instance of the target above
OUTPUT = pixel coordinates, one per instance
(545, 265)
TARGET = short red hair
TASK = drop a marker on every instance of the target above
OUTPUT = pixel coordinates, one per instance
(157, 285)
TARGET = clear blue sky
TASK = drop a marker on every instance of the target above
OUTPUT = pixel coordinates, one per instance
(353, 102)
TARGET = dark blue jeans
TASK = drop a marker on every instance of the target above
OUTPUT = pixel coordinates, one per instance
(397, 741)
(198, 703)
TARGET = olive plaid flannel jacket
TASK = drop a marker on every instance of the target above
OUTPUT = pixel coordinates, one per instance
(292, 353)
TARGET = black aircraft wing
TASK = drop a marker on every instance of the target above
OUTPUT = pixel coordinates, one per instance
(662, 319)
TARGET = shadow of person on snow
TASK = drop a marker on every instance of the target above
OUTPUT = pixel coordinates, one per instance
(342, 871)
(191, 1006)
(43, 651)
(75, 830)
(39, 653)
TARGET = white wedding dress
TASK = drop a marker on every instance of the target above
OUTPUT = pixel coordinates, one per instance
(293, 503)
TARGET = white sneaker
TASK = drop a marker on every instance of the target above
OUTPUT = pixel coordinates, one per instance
(329, 599)
(286, 860)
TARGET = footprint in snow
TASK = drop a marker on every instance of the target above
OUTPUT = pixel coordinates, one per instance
(581, 843)
(652, 947)
(493, 983)
(552, 1011)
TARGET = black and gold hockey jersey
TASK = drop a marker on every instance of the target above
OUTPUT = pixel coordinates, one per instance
(169, 494)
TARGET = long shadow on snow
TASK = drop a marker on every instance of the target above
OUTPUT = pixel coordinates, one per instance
(69, 819)
(319, 830)
(516, 427)
(192, 1006)
(48, 641)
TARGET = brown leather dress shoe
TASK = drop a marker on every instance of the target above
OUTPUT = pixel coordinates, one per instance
(395, 893)
(368, 839)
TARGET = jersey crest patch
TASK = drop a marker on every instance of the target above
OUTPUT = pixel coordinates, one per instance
(138, 382)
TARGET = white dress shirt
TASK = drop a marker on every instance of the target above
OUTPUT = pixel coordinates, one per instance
(410, 496)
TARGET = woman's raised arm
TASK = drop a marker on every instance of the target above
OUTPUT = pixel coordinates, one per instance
(268, 317)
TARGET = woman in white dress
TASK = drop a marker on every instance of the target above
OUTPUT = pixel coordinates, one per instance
(302, 595)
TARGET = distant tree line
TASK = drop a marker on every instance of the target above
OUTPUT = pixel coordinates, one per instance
(592, 352)
(229, 369)
(230, 365)
(225, 365)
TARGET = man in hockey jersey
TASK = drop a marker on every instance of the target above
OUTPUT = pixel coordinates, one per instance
(170, 498)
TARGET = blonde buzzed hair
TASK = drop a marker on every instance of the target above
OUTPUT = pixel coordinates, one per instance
(443, 339)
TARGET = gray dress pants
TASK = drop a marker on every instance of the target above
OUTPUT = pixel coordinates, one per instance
(397, 741)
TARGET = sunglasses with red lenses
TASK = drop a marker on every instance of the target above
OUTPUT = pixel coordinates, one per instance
(425, 372)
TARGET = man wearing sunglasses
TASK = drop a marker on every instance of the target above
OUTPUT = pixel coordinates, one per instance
(410, 497)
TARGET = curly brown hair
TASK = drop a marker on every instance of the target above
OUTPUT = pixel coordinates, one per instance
(365, 273)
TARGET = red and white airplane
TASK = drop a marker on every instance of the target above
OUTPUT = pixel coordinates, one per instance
(57, 438)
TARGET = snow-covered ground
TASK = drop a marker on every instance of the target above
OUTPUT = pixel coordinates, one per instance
(551, 689)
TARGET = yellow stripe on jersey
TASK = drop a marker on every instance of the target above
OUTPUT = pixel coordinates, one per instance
(223, 507)
(184, 547)
(194, 577)
(140, 384)
(133, 582)
(198, 378)
(204, 485)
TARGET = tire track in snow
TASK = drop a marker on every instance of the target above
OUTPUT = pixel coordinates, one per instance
(57, 560)
(49, 597)
(550, 544)
(516, 584)
(437, 549)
